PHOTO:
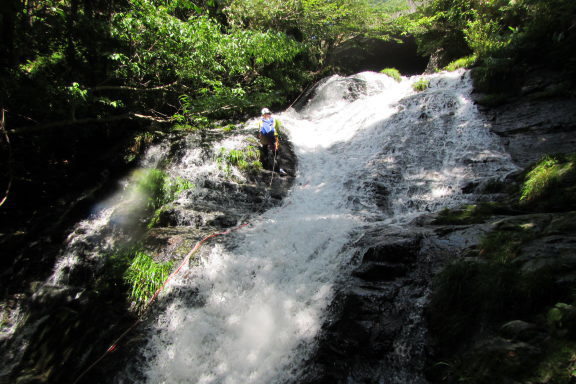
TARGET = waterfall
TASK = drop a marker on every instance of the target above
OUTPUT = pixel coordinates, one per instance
(370, 150)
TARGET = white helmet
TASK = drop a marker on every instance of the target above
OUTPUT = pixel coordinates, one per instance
(265, 111)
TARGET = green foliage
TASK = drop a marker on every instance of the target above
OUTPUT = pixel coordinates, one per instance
(394, 6)
(157, 188)
(439, 25)
(229, 127)
(183, 127)
(41, 63)
(145, 276)
(76, 92)
(246, 159)
(503, 35)
(464, 62)
(318, 24)
(497, 76)
(393, 73)
(473, 298)
(224, 69)
(503, 247)
(141, 56)
(485, 37)
(558, 365)
(551, 175)
(421, 85)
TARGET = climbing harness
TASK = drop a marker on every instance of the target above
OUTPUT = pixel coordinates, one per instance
(114, 345)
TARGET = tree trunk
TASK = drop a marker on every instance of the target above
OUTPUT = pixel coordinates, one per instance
(8, 17)
(70, 35)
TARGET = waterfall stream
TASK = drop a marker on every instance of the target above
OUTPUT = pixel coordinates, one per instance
(371, 151)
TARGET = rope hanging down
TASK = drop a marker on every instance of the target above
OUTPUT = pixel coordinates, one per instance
(273, 165)
(114, 345)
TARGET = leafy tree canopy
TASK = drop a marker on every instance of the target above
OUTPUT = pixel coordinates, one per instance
(495, 28)
(320, 24)
(498, 33)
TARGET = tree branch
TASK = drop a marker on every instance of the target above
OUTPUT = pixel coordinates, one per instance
(90, 120)
(10, 159)
(127, 88)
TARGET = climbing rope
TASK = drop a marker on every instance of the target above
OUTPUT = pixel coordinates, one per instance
(186, 259)
(303, 92)
(273, 165)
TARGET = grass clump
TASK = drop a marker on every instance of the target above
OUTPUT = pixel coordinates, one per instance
(153, 189)
(246, 159)
(551, 183)
(558, 364)
(393, 73)
(157, 188)
(497, 76)
(229, 127)
(144, 276)
(184, 127)
(504, 246)
(421, 85)
(464, 62)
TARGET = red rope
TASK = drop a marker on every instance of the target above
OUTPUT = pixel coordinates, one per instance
(114, 345)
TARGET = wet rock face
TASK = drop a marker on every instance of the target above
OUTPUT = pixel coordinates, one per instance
(62, 329)
(377, 333)
(531, 129)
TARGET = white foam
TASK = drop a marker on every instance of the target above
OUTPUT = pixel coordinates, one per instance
(262, 302)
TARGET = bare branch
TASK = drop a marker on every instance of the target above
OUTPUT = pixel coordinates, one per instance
(127, 88)
(90, 120)
(10, 160)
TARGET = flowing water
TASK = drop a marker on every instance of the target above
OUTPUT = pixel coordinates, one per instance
(370, 150)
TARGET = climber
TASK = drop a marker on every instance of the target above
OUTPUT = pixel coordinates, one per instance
(269, 130)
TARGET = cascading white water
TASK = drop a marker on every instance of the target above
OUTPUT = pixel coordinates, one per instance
(249, 311)
(94, 236)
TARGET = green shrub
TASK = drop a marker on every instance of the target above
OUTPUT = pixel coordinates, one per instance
(245, 159)
(157, 188)
(502, 247)
(464, 62)
(421, 85)
(144, 276)
(498, 75)
(551, 173)
(184, 127)
(558, 364)
(393, 73)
